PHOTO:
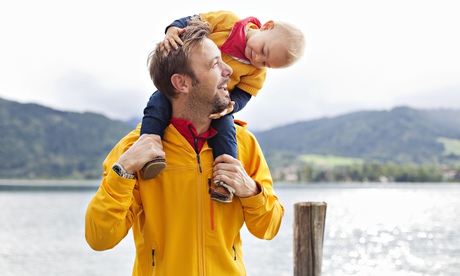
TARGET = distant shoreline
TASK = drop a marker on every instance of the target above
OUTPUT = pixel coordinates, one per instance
(92, 185)
(48, 185)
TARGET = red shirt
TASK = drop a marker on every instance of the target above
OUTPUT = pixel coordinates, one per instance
(236, 41)
(187, 129)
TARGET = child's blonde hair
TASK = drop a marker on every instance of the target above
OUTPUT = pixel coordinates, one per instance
(295, 41)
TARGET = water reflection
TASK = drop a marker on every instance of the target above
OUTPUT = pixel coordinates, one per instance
(391, 230)
(407, 230)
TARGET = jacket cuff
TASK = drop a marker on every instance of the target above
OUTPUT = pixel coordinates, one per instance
(257, 200)
(119, 183)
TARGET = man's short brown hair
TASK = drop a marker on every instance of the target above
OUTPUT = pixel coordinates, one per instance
(163, 64)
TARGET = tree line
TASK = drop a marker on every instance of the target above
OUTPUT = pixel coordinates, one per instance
(374, 172)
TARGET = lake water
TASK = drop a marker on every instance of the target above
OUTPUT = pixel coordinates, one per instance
(371, 229)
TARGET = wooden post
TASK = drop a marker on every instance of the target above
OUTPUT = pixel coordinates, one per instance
(309, 222)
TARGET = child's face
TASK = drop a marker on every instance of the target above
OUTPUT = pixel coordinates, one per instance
(266, 49)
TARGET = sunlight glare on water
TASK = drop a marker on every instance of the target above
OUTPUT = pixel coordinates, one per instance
(370, 230)
(385, 226)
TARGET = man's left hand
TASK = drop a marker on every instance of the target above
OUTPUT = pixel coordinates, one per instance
(231, 171)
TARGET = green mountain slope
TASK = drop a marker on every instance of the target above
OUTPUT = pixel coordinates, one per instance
(402, 135)
(40, 142)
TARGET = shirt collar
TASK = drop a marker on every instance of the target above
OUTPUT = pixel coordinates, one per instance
(188, 130)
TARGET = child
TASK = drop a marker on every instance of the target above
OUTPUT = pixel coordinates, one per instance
(249, 48)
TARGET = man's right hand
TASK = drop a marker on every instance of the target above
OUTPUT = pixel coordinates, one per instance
(145, 149)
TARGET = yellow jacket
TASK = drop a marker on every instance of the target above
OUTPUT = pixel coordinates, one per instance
(245, 76)
(177, 228)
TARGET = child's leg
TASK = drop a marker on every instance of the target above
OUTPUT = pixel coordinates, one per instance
(156, 114)
(155, 120)
(225, 140)
(223, 143)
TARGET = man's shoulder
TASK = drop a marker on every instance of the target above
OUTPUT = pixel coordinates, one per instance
(248, 145)
(240, 124)
(132, 136)
(242, 131)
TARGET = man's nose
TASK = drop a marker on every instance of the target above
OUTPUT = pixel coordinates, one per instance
(227, 70)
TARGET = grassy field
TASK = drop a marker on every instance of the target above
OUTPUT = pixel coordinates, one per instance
(451, 146)
(329, 160)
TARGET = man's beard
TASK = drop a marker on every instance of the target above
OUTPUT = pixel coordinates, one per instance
(220, 103)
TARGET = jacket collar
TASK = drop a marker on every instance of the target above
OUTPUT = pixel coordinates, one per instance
(188, 130)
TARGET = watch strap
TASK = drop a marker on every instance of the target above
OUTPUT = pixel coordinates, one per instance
(121, 172)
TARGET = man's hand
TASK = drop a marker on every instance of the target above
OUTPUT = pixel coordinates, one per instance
(230, 171)
(145, 149)
(172, 38)
(224, 112)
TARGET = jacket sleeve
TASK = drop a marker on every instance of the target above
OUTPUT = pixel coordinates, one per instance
(263, 212)
(111, 212)
(240, 97)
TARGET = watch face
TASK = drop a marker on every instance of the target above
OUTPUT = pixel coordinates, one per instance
(117, 169)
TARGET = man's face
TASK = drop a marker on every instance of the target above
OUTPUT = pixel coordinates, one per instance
(213, 75)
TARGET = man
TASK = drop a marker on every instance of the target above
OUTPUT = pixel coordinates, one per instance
(177, 228)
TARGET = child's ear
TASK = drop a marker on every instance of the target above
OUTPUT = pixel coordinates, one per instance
(180, 83)
(268, 25)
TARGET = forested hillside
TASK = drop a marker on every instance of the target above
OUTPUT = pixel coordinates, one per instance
(400, 145)
(40, 142)
(401, 135)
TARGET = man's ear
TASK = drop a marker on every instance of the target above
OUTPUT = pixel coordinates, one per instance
(268, 25)
(180, 83)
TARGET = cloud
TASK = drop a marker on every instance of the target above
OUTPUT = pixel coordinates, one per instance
(361, 55)
(79, 91)
(443, 97)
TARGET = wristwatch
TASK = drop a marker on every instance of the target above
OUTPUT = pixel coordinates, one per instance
(121, 172)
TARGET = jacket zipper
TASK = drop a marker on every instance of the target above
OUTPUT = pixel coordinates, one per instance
(195, 144)
(200, 232)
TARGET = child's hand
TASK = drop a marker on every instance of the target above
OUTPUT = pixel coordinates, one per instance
(224, 112)
(172, 38)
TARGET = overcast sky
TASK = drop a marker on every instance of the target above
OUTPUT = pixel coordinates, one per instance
(361, 55)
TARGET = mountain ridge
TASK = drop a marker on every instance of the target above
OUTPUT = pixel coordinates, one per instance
(401, 135)
(44, 143)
